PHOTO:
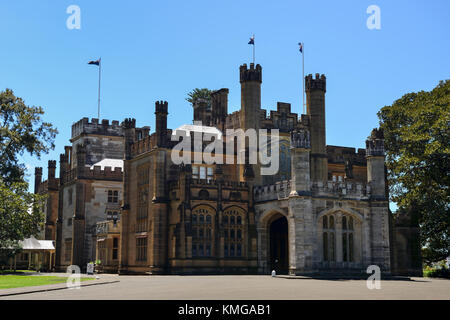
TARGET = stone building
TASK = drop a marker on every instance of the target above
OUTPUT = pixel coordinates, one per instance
(88, 190)
(326, 210)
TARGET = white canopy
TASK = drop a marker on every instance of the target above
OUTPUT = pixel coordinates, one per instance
(113, 163)
(33, 244)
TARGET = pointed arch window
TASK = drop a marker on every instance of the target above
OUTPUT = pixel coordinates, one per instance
(202, 232)
(233, 232)
(348, 239)
(328, 238)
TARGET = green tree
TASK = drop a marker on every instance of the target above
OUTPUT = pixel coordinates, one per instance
(197, 93)
(417, 141)
(22, 130)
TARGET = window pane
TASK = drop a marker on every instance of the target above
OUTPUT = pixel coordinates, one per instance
(225, 220)
(325, 222)
(331, 222)
(350, 223)
(239, 250)
(344, 246)
(232, 220)
(210, 171)
(194, 170)
(350, 247)
(202, 218)
(208, 219)
(239, 234)
(325, 246)
(202, 173)
(239, 220)
(344, 222)
(194, 218)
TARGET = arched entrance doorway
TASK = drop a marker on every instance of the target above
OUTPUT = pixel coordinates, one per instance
(279, 256)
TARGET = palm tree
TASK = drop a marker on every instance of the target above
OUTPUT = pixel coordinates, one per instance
(197, 93)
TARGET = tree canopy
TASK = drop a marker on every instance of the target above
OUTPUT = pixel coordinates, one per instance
(417, 141)
(197, 93)
(22, 130)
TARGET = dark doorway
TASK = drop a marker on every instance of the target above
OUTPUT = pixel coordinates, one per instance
(279, 257)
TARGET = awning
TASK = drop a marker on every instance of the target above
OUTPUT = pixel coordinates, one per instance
(33, 244)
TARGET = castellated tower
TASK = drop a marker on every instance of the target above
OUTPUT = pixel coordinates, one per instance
(315, 107)
(250, 96)
(161, 112)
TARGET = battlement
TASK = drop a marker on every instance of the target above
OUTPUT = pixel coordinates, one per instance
(317, 83)
(129, 123)
(345, 190)
(96, 173)
(341, 189)
(252, 74)
(83, 126)
(279, 190)
(161, 107)
(146, 144)
(38, 171)
(338, 154)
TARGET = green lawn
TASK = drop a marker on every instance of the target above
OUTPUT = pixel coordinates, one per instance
(17, 281)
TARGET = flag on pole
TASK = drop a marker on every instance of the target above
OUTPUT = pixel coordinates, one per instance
(301, 47)
(252, 40)
(96, 62)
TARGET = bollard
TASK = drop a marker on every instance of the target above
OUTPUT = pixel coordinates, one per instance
(274, 273)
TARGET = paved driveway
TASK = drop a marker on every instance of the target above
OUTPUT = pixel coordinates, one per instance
(247, 287)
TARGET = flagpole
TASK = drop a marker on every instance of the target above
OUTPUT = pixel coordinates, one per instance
(99, 81)
(303, 76)
(253, 49)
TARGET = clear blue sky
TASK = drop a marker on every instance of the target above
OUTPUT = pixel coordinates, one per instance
(160, 50)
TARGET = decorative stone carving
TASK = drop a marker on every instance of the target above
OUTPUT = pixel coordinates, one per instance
(300, 138)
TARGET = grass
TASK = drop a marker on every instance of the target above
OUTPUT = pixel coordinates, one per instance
(18, 281)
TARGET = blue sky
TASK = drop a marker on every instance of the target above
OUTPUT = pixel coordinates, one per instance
(160, 50)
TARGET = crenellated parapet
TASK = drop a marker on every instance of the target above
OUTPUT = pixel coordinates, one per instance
(143, 145)
(375, 143)
(341, 189)
(96, 173)
(338, 154)
(161, 107)
(278, 191)
(84, 126)
(250, 74)
(317, 83)
(332, 189)
(129, 123)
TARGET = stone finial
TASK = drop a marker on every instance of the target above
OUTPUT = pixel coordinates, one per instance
(300, 138)
(375, 143)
